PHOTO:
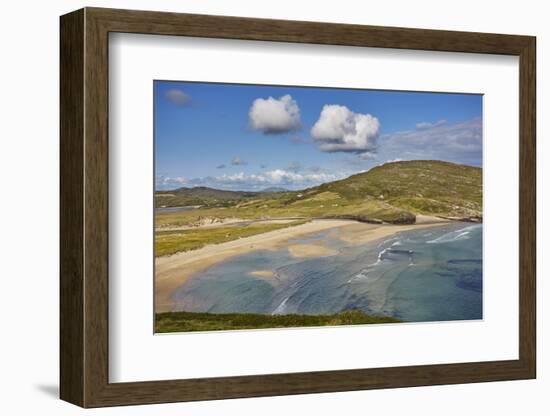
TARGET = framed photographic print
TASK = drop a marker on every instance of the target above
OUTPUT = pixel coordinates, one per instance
(260, 207)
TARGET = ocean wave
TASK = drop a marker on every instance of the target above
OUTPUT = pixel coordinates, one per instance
(380, 257)
(362, 275)
(456, 235)
(279, 310)
(387, 241)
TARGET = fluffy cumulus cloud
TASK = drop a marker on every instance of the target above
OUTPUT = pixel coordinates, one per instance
(252, 181)
(341, 130)
(397, 159)
(455, 142)
(274, 116)
(178, 97)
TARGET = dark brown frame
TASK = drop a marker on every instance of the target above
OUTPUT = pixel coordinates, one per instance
(84, 207)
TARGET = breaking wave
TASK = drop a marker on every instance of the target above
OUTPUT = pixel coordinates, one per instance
(462, 234)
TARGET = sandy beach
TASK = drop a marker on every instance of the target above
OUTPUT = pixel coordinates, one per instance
(174, 270)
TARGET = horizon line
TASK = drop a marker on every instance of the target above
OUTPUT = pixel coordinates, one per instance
(322, 183)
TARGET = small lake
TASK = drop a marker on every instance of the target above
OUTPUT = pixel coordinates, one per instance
(432, 274)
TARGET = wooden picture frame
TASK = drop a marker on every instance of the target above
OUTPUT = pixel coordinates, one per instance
(84, 207)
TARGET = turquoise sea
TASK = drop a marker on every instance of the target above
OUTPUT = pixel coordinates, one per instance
(432, 274)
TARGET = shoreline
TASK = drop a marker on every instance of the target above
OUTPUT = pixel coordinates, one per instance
(174, 270)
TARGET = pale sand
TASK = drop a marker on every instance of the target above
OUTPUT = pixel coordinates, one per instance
(173, 271)
(310, 250)
(428, 219)
(228, 222)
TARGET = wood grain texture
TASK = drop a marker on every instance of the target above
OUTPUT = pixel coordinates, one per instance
(528, 208)
(162, 23)
(96, 208)
(84, 205)
(71, 100)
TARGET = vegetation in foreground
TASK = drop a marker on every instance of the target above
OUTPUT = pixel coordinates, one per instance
(171, 242)
(193, 321)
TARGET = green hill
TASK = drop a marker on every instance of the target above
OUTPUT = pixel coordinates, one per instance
(395, 193)
(200, 195)
(421, 187)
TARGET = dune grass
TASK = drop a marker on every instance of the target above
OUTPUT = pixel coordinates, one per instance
(171, 242)
(192, 321)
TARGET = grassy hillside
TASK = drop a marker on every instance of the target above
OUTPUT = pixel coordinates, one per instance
(421, 187)
(198, 196)
(190, 321)
(205, 196)
(394, 192)
(174, 241)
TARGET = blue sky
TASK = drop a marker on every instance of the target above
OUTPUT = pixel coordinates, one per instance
(252, 137)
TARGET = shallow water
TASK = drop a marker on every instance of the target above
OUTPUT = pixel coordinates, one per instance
(432, 274)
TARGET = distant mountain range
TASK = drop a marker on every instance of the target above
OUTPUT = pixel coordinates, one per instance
(274, 189)
(393, 192)
(205, 196)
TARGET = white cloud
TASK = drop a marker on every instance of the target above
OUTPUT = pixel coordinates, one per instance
(341, 130)
(456, 142)
(273, 177)
(273, 116)
(243, 181)
(397, 159)
(167, 182)
(178, 97)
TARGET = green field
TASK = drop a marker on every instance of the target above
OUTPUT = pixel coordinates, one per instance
(190, 321)
(170, 242)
